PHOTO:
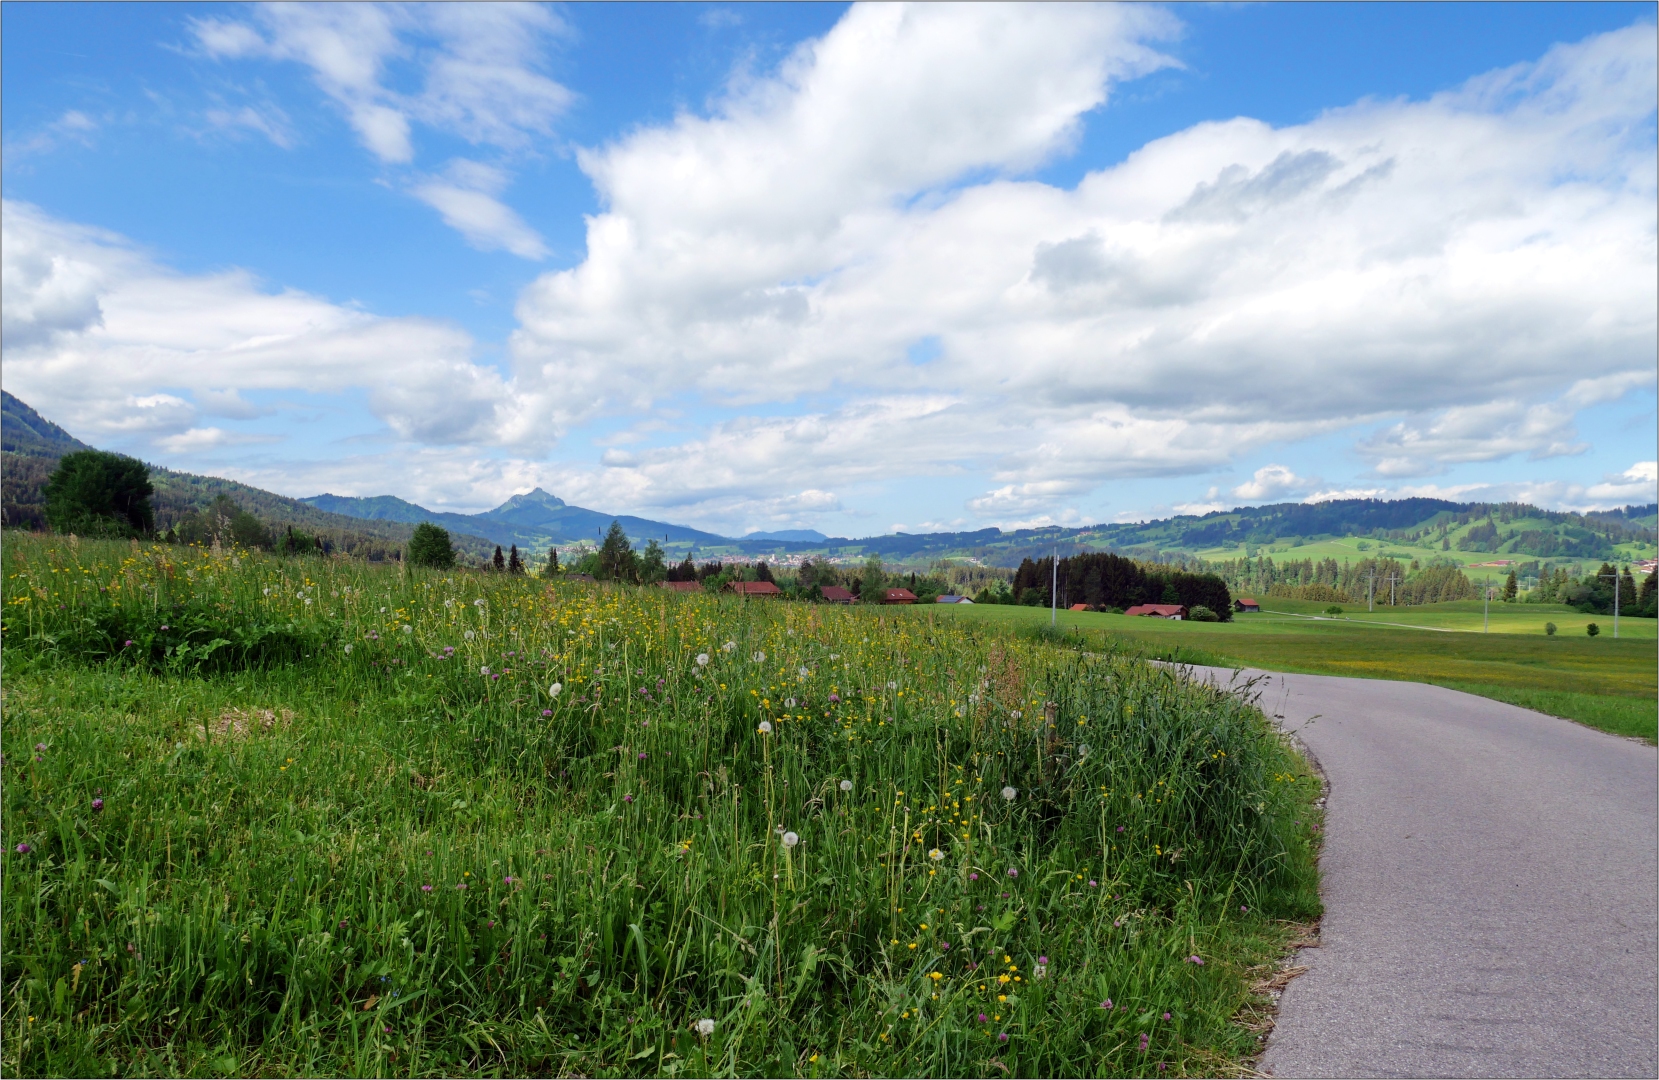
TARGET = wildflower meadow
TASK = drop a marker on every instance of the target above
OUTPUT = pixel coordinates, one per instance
(283, 816)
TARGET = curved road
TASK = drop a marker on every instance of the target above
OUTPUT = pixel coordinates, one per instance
(1489, 887)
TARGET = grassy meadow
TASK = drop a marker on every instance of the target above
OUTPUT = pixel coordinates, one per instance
(1598, 681)
(281, 817)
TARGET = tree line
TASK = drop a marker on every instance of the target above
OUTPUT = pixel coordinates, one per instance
(1105, 581)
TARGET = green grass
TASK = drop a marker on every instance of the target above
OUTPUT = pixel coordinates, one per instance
(1607, 684)
(330, 842)
(1348, 548)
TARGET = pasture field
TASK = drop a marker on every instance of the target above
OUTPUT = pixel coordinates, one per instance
(1348, 548)
(1611, 685)
(281, 817)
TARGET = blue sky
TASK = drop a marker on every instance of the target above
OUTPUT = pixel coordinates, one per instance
(778, 266)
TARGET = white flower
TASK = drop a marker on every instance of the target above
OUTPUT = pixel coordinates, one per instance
(1083, 750)
(1016, 714)
(835, 656)
(789, 703)
(478, 603)
(766, 727)
(1009, 793)
(760, 657)
(973, 699)
(485, 670)
(450, 602)
(383, 611)
(892, 686)
(846, 785)
(267, 590)
(555, 689)
(1040, 971)
(407, 629)
(936, 855)
(469, 635)
(803, 671)
(702, 659)
(348, 648)
(308, 600)
(301, 596)
(790, 839)
(730, 646)
(705, 1027)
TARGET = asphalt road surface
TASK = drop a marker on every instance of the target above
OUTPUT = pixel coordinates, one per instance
(1489, 887)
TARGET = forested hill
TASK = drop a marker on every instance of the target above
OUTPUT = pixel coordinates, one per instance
(32, 446)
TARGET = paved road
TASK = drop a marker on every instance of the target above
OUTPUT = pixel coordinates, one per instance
(1489, 884)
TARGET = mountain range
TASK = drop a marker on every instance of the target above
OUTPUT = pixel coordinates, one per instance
(30, 446)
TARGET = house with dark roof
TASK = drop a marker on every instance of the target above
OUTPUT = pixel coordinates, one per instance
(897, 596)
(759, 589)
(682, 586)
(1159, 611)
(948, 599)
(835, 594)
(1245, 603)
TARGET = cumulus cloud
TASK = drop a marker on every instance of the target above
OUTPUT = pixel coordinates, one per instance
(1273, 481)
(93, 327)
(1455, 260)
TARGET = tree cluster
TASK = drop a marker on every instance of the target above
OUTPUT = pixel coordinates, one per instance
(1107, 581)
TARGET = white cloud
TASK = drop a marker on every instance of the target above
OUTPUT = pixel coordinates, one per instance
(479, 80)
(268, 120)
(466, 197)
(1272, 481)
(73, 126)
(93, 328)
(199, 440)
(1228, 287)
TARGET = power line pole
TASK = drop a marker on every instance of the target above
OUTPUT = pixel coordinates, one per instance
(1392, 580)
(1370, 590)
(1486, 613)
(1054, 591)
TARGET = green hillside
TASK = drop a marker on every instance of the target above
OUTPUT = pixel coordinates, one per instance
(33, 445)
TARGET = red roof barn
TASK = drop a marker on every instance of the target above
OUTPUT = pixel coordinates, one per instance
(835, 594)
(682, 586)
(747, 589)
(1159, 611)
(1245, 603)
(897, 596)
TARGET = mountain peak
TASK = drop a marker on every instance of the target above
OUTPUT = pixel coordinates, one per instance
(534, 497)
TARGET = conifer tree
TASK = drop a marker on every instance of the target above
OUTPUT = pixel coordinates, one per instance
(1509, 588)
(515, 565)
(498, 562)
(551, 570)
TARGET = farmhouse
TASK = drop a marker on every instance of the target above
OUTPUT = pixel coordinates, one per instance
(1159, 611)
(746, 589)
(835, 594)
(947, 599)
(897, 596)
(682, 586)
(1080, 607)
(1245, 603)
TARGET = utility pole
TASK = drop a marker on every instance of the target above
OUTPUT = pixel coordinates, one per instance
(1392, 579)
(1054, 592)
(1486, 613)
(1615, 576)
(1370, 590)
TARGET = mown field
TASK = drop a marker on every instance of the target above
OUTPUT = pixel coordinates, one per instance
(1607, 684)
(311, 817)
